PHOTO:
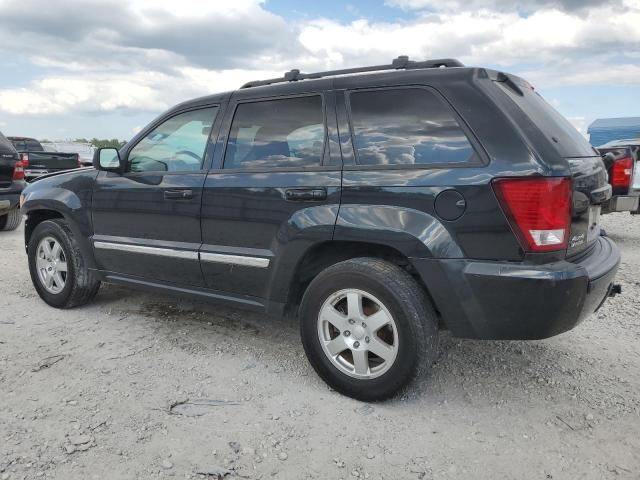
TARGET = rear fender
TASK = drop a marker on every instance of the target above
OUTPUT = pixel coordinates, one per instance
(414, 233)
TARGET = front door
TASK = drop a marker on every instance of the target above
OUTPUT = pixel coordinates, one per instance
(275, 191)
(147, 220)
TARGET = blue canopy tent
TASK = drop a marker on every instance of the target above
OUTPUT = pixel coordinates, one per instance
(604, 130)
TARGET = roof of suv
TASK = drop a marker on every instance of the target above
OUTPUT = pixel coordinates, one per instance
(296, 82)
(22, 138)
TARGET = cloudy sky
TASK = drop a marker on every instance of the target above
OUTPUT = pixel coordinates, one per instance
(104, 68)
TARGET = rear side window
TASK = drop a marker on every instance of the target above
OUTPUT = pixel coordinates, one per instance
(288, 132)
(406, 126)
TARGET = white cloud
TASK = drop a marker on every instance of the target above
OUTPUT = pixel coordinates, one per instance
(138, 91)
(581, 124)
(483, 37)
(146, 55)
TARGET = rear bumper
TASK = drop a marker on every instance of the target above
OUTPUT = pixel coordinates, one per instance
(502, 300)
(622, 203)
(10, 197)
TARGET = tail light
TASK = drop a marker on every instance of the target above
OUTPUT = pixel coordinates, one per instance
(621, 172)
(24, 157)
(538, 209)
(18, 170)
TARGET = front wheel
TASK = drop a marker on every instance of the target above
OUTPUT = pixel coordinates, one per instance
(57, 267)
(367, 328)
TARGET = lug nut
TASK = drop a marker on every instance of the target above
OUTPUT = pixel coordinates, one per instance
(356, 344)
(364, 325)
(352, 321)
(347, 333)
(366, 339)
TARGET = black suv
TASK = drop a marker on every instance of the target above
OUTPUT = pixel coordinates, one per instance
(381, 207)
(11, 185)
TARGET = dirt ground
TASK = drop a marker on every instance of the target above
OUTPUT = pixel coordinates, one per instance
(140, 386)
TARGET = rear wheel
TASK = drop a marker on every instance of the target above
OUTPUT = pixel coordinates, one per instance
(58, 270)
(368, 328)
(11, 220)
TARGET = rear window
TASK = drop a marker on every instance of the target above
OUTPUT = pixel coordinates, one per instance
(564, 136)
(288, 132)
(27, 145)
(406, 126)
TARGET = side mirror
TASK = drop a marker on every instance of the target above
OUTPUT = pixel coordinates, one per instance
(107, 159)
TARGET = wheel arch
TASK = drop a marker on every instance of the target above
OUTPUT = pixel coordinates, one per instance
(35, 216)
(322, 255)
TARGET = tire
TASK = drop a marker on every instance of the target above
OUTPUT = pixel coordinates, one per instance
(11, 220)
(388, 291)
(78, 285)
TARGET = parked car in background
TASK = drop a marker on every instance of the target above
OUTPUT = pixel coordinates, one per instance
(622, 161)
(37, 161)
(604, 130)
(380, 207)
(11, 185)
(84, 150)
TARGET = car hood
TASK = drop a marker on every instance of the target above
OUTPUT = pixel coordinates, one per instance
(61, 179)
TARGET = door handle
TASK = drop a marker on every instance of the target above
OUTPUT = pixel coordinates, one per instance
(306, 194)
(178, 194)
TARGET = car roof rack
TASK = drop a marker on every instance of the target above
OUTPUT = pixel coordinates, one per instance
(400, 63)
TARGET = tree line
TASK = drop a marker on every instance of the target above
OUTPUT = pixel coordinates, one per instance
(96, 142)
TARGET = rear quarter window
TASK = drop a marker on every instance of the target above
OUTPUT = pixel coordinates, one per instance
(406, 126)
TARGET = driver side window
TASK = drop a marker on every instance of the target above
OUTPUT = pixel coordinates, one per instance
(177, 145)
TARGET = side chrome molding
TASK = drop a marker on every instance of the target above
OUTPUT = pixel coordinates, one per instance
(258, 262)
(162, 252)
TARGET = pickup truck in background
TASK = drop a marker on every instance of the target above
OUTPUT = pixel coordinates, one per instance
(37, 162)
(84, 150)
(622, 161)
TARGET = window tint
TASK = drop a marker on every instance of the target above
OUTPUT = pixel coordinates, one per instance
(405, 126)
(177, 145)
(277, 133)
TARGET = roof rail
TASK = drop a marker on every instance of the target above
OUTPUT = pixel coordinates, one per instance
(400, 63)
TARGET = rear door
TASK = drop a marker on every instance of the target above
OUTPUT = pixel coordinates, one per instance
(274, 190)
(147, 220)
(590, 182)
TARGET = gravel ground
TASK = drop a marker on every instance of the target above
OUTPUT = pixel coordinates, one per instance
(144, 386)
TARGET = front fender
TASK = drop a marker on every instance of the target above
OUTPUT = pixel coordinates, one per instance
(414, 233)
(47, 201)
